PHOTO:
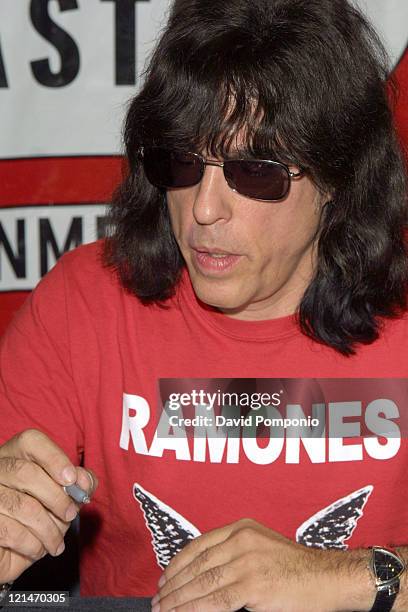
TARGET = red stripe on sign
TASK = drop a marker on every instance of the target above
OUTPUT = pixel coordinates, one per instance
(401, 112)
(10, 303)
(56, 180)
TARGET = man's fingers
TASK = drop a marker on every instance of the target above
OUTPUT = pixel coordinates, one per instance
(201, 598)
(33, 520)
(35, 511)
(14, 536)
(28, 477)
(87, 480)
(197, 547)
(13, 564)
(207, 567)
(204, 571)
(34, 445)
(63, 526)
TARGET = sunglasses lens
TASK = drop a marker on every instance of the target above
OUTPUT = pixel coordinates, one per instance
(261, 180)
(169, 169)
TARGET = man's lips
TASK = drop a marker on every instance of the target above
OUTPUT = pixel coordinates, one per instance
(214, 259)
(213, 250)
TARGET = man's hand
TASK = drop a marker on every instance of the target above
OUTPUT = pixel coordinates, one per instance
(35, 511)
(247, 564)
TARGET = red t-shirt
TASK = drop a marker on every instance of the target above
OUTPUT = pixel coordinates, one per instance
(81, 361)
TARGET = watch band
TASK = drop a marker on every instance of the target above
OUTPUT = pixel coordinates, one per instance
(383, 602)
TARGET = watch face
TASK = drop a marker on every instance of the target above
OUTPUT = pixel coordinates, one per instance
(387, 565)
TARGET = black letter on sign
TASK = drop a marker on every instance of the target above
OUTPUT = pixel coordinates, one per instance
(125, 40)
(60, 40)
(47, 238)
(3, 78)
(17, 261)
(102, 227)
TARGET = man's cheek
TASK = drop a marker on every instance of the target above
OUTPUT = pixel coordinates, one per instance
(174, 220)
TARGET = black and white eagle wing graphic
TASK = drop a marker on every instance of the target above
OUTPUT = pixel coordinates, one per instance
(170, 531)
(330, 527)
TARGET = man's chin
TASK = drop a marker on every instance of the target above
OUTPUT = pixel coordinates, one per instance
(225, 297)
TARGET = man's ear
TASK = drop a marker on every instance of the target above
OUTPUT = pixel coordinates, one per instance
(321, 201)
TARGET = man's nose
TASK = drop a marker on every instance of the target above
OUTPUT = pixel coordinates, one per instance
(212, 201)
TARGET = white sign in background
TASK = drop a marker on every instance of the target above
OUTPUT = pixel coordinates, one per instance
(390, 18)
(33, 237)
(85, 116)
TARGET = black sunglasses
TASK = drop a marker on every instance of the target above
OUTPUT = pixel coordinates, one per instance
(260, 179)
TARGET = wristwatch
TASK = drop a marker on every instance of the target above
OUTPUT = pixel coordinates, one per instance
(387, 568)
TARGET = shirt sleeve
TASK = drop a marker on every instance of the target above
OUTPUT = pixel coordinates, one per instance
(36, 382)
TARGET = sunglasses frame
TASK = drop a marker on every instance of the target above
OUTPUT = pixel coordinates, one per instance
(213, 162)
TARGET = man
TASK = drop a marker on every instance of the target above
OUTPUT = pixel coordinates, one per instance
(259, 235)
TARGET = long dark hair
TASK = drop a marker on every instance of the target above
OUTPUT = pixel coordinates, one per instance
(306, 80)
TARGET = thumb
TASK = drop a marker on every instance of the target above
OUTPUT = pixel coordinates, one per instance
(87, 480)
